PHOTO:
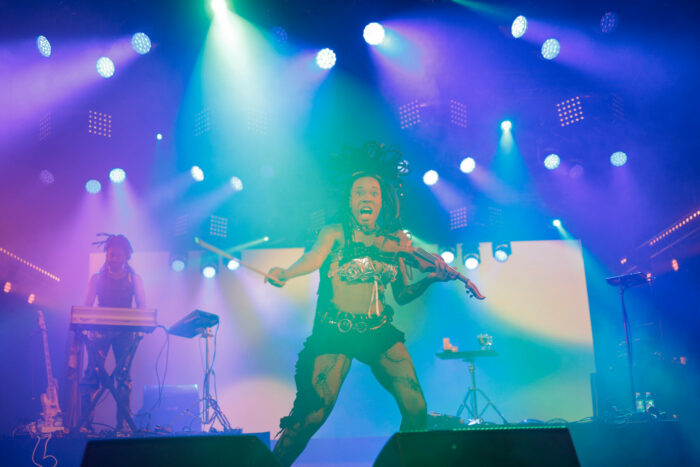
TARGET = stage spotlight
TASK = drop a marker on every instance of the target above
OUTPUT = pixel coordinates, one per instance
(233, 264)
(46, 177)
(117, 175)
(105, 67)
(7, 287)
(325, 59)
(44, 46)
(141, 43)
(236, 183)
(550, 49)
(501, 251)
(209, 266)
(209, 271)
(430, 178)
(448, 255)
(178, 261)
(467, 165)
(472, 260)
(93, 186)
(506, 125)
(608, 23)
(618, 158)
(373, 34)
(159, 136)
(279, 34)
(552, 161)
(31, 298)
(519, 26)
(219, 6)
(556, 223)
(197, 173)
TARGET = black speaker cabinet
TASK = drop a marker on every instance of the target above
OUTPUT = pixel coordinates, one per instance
(480, 446)
(179, 451)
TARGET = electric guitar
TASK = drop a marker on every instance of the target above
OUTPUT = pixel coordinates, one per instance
(51, 417)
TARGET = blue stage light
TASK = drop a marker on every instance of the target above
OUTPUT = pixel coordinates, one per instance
(279, 34)
(550, 49)
(178, 262)
(233, 264)
(236, 183)
(141, 43)
(608, 23)
(618, 158)
(519, 27)
(472, 261)
(197, 173)
(430, 178)
(209, 271)
(448, 255)
(552, 161)
(105, 67)
(373, 33)
(44, 46)
(159, 136)
(556, 223)
(117, 175)
(467, 165)
(506, 125)
(325, 59)
(93, 187)
(501, 252)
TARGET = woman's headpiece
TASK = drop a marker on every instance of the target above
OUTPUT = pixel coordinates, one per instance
(385, 163)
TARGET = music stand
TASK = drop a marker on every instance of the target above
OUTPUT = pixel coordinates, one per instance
(470, 401)
(625, 282)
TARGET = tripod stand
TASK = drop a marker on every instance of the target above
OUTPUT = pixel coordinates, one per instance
(470, 401)
(212, 411)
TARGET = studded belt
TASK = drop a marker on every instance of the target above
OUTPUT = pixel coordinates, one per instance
(359, 323)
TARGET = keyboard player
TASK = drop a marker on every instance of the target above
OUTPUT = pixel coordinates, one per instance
(115, 285)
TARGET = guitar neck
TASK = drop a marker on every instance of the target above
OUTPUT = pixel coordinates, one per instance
(47, 356)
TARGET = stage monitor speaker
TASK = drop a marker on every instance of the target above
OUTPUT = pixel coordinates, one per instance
(481, 446)
(179, 451)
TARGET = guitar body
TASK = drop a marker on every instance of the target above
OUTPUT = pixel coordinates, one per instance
(51, 416)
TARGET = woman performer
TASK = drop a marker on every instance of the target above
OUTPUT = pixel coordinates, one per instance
(358, 258)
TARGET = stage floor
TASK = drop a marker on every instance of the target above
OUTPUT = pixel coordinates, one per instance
(597, 444)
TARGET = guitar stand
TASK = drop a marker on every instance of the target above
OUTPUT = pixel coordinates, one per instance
(471, 399)
(106, 382)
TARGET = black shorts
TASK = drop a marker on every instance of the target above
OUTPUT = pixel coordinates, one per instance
(367, 347)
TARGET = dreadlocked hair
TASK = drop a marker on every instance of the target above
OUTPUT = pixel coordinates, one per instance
(383, 163)
(115, 241)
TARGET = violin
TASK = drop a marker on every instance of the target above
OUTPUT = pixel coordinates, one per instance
(421, 259)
